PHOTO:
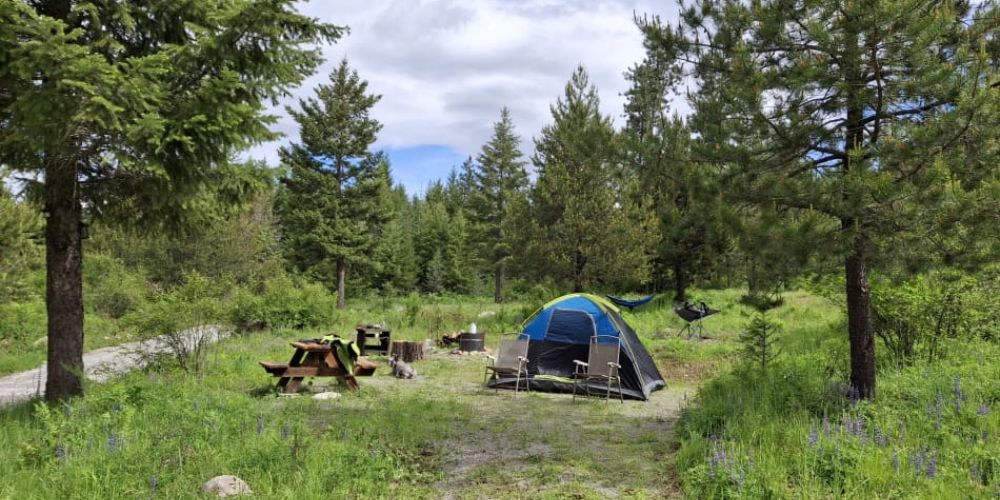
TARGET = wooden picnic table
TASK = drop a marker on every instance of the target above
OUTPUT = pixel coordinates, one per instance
(312, 359)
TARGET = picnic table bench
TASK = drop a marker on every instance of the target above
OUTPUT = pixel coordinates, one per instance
(312, 359)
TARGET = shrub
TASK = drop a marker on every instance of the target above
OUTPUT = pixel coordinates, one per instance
(110, 289)
(284, 303)
(912, 317)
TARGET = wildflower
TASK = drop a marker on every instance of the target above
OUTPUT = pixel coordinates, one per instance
(260, 424)
(61, 453)
(813, 437)
(937, 412)
(974, 470)
(284, 431)
(152, 486)
(895, 461)
(880, 439)
(983, 410)
(932, 466)
(113, 442)
(826, 426)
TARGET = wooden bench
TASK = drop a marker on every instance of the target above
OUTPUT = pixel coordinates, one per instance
(315, 360)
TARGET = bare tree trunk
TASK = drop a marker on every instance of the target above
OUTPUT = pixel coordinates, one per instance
(341, 279)
(859, 320)
(64, 281)
(498, 283)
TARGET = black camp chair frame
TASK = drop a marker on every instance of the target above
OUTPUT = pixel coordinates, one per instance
(511, 359)
(693, 318)
(605, 350)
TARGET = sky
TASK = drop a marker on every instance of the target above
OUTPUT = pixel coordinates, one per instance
(444, 69)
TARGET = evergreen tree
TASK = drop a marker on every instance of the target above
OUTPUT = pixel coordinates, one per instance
(332, 207)
(129, 109)
(500, 180)
(683, 193)
(586, 230)
(19, 252)
(857, 110)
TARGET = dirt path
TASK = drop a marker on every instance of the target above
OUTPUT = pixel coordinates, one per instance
(102, 364)
(546, 445)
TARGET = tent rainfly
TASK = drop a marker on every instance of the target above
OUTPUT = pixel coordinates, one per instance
(560, 332)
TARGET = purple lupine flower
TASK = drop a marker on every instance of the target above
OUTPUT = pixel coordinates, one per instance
(983, 410)
(813, 436)
(937, 412)
(260, 424)
(284, 431)
(152, 486)
(932, 466)
(974, 470)
(113, 442)
(741, 477)
(895, 461)
(826, 426)
(880, 439)
(61, 453)
(750, 459)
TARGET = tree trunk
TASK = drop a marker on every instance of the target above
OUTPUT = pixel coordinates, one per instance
(680, 281)
(341, 278)
(64, 282)
(859, 320)
(579, 263)
(498, 283)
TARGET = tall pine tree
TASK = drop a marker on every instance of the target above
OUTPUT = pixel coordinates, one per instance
(856, 110)
(500, 180)
(332, 206)
(587, 232)
(130, 109)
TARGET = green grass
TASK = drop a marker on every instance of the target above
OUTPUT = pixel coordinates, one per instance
(444, 435)
(771, 427)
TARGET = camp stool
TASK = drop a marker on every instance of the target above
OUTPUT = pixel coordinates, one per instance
(511, 359)
(604, 352)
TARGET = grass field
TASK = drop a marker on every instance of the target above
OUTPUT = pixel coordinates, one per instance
(160, 432)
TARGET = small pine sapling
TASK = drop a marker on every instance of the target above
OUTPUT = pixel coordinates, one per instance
(758, 341)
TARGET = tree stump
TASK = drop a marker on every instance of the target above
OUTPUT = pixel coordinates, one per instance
(409, 350)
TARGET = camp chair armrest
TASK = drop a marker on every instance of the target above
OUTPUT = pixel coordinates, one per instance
(613, 364)
(491, 358)
(580, 363)
(522, 359)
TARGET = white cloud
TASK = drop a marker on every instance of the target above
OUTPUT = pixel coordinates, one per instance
(446, 67)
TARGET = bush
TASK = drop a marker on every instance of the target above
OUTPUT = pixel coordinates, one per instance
(912, 317)
(284, 303)
(21, 323)
(758, 340)
(110, 289)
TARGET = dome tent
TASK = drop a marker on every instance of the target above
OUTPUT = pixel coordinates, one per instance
(560, 332)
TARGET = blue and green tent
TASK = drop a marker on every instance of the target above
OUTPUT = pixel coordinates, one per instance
(560, 332)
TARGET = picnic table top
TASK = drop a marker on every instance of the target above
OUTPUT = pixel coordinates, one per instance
(371, 328)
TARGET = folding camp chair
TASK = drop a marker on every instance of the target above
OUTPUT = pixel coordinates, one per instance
(511, 359)
(602, 365)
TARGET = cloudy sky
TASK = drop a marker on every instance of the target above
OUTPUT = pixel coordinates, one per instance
(444, 69)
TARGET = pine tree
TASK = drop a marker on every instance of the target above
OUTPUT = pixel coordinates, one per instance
(856, 110)
(332, 207)
(587, 232)
(129, 109)
(683, 193)
(500, 180)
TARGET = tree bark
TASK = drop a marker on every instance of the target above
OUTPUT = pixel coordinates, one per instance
(498, 283)
(341, 279)
(859, 321)
(680, 281)
(64, 281)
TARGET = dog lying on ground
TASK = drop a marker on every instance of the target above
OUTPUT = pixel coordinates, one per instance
(400, 368)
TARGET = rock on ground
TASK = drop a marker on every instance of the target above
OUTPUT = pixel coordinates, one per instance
(226, 486)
